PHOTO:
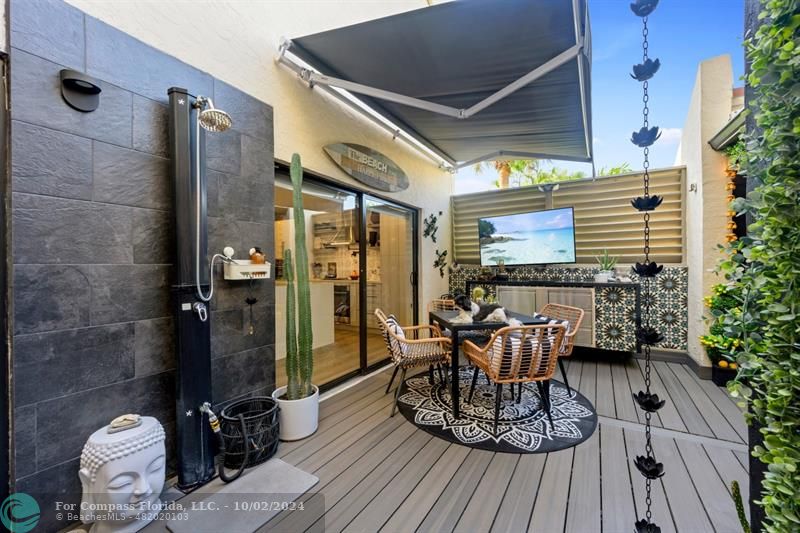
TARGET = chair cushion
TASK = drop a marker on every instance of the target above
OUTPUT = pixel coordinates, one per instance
(557, 321)
(395, 328)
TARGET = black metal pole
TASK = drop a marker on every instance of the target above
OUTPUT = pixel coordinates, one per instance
(193, 333)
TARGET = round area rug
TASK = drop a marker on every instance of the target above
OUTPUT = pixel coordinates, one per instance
(522, 428)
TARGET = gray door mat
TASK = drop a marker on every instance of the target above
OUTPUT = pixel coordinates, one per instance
(244, 505)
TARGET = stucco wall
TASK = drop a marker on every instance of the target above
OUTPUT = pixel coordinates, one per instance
(237, 41)
(706, 207)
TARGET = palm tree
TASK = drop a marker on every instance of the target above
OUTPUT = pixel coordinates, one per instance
(518, 169)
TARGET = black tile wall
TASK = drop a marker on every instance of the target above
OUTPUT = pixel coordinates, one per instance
(92, 237)
(51, 162)
(129, 177)
(54, 364)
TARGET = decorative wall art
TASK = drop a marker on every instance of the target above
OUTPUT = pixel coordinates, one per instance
(431, 226)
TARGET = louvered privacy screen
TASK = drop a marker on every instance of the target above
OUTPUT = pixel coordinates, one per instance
(603, 215)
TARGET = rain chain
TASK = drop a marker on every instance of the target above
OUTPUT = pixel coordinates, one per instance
(647, 336)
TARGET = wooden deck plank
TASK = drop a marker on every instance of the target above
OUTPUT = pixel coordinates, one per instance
(340, 514)
(589, 381)
(331, 406)
(415, 507)
(713, 492)
(573, 373)
(378, 511)
(729, 469)
(328, 433)
(373, 429)
(482, 508)
(618, 507)
(722, 401)
(445, 513)
(708, 410)
(372, 479)
(551, 502)
(515, 510)
(337, 478)
(743, 458)
(635, 444)
(636, 380)
(626, 409)
(694, 421)
(688, 511)
(605, 391)
(669, 415)
(584, 511)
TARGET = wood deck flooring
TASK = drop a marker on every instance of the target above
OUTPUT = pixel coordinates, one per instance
(383, 474)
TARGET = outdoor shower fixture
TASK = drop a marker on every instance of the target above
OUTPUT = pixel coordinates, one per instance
(214, 120)
(189, 119)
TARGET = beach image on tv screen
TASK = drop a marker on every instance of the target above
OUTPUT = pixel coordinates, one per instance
(540, 237)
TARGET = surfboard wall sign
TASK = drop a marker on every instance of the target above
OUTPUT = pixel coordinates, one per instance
(368, 166)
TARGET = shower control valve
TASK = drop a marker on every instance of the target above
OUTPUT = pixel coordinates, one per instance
(201, 310)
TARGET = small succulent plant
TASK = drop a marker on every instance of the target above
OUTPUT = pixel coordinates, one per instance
(647, 203)
(647, 270)
(649, 467)
(645, 71)
(649, 336)
(648, 401)
(606, 262)
(642, 8)
(645, 136)
(645, 526)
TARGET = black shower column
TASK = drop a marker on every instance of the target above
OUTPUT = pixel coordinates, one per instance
(192, 321)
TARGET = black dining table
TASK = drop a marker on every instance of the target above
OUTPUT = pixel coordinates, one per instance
(444, 319)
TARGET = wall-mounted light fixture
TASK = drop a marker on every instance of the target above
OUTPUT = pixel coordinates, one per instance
(548, 187)
(80, 91)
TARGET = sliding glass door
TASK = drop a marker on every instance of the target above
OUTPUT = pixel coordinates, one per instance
(390, 269)
(362, 255)
(331, 219)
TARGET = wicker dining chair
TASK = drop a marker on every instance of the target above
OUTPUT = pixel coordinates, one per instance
(518, 354)
(428, 348)
(573, 316)
(442, 304)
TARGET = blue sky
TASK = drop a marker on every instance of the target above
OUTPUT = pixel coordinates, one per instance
(682, 34)
(553, 219)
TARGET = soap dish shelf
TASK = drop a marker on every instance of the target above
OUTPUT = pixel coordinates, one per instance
(242, 269)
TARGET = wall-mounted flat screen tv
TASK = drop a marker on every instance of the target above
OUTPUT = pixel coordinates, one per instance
(534, 238)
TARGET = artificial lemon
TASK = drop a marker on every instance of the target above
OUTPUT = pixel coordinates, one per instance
(723, 364)
(733, 366)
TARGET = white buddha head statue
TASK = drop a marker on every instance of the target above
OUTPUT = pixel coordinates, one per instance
(123, 468)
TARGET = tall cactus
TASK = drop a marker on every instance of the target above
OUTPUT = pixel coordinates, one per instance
(292, 363)
(305, 338)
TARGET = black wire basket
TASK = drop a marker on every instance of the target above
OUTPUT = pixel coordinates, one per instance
(261, 426)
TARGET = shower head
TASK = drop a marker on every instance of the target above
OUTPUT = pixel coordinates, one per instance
(211, 118)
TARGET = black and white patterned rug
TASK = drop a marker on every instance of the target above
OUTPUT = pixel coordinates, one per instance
(523, 427)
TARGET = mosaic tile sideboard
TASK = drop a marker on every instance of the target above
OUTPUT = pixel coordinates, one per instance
(615, 307)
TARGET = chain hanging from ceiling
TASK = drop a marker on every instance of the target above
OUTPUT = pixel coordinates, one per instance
(647, 335)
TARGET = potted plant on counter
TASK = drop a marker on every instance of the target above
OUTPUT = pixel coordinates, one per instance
(299, 399)
(606, 264)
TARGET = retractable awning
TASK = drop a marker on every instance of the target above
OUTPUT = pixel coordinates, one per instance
(470, 80)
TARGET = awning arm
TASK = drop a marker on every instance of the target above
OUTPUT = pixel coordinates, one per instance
(315, 78)
(434, 154)
(581, 81)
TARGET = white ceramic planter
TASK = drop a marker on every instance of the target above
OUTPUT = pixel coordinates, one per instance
(298, 418)
(601, 277)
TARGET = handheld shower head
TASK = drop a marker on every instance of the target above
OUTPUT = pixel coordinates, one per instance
(211, 118)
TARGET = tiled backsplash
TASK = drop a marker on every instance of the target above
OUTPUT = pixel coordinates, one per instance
(614, 306)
